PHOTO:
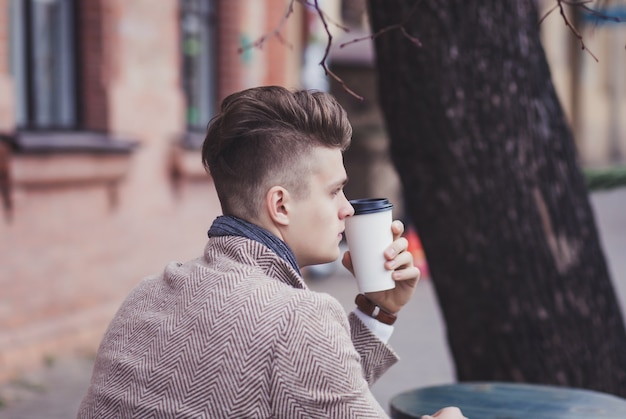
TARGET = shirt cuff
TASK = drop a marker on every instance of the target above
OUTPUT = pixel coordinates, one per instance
(381, 330)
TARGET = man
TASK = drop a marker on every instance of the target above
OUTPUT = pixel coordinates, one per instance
(237, 333)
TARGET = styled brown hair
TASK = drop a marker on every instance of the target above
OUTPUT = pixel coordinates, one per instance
(262, 137)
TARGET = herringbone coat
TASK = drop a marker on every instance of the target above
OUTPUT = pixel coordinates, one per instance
(235, 334)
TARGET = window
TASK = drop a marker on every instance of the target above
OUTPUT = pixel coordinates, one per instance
(42, 63)
(198, 49)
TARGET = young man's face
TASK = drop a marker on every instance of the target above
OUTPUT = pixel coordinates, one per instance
(317, 221)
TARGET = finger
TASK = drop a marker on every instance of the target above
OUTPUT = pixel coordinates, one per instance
(397, 228)
(398, 246)
(403, 259)
(407, 274)
(346, 261)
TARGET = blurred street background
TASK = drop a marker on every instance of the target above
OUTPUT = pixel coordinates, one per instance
(103, 106)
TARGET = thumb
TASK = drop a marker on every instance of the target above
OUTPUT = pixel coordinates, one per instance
(347, 261)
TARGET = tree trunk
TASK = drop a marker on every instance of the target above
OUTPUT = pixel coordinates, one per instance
(492, 184)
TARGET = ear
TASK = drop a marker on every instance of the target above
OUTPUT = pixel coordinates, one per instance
(277, 201)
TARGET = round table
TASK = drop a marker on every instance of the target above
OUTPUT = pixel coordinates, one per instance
(493, 400)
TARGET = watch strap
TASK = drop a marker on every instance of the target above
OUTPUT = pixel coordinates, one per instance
(371, 309)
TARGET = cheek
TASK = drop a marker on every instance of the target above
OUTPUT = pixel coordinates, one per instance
(320, 225)
(327, 222)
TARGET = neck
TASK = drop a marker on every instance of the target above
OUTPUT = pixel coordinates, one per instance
(229, 225)
(266, 223)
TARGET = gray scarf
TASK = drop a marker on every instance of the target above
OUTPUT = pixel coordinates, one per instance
(228, 225)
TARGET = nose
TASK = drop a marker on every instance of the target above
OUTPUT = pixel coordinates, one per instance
(346, 210)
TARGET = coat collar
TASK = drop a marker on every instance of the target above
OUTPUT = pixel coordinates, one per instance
(253, 253)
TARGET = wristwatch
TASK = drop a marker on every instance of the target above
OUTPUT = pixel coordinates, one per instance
(368, 307)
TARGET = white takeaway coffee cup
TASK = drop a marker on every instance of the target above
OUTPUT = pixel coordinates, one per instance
(368, 233)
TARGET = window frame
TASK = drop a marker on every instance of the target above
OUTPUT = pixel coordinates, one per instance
(205, 14)
(64, 106)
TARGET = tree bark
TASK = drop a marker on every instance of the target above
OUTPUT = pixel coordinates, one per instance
(492, 183)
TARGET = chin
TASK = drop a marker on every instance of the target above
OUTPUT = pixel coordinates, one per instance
(327, 259)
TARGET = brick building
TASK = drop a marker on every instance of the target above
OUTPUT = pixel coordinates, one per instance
(102, 108)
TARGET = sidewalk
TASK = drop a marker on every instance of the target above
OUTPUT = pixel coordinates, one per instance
(419, 339)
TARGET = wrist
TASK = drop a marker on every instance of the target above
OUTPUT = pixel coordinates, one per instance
(370, 308)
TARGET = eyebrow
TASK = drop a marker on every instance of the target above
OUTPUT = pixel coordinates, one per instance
(341, 183)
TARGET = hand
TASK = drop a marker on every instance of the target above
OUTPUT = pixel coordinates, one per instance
(406, 275)
(446, 413)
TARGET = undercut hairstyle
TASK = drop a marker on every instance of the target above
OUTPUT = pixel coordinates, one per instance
(262, 137)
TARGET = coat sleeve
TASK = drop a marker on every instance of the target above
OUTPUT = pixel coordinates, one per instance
(318, 371)
(376, 357)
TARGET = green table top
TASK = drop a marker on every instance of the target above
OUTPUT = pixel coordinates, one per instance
(493, 400)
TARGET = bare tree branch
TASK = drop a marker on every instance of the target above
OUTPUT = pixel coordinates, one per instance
(571, 27)
(325, 19)
(583, 5)
(548, 13)
(398, 26)
(328, 72)
(276, 33)
(329, 19)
